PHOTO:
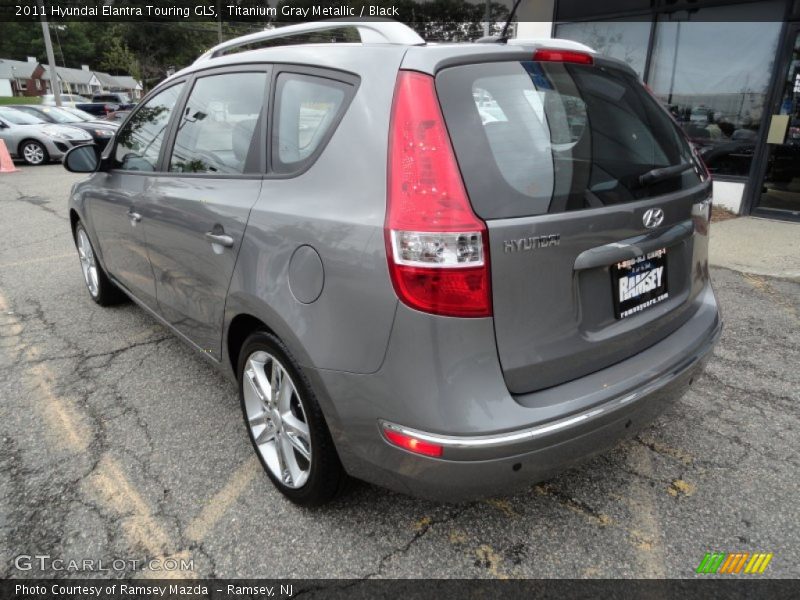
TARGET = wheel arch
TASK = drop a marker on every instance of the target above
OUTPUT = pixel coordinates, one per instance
(74, 218)
(240, 327)
(245, 322)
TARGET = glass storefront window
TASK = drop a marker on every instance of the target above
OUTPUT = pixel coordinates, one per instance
(712, 69)
(623, 40)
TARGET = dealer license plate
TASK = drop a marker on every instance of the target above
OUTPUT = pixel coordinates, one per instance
(639, 283)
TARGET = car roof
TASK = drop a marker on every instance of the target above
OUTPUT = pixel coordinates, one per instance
(374, 34)
(401, 46)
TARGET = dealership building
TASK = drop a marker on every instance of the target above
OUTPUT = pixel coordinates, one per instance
(729, 72)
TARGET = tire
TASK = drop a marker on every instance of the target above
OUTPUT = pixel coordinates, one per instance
(100, 287)
(33, 153)
(292, 427)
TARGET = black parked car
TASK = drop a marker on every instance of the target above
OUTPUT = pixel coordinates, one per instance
(101, 131)
(103, 104)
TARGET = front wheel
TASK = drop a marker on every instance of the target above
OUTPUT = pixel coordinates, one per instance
(34, 153)
(100, 287)
(285, 423)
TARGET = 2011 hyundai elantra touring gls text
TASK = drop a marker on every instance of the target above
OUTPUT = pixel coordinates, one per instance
(451, 270)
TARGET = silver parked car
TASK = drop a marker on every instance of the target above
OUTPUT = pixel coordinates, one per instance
(33, 140)
(403, 290)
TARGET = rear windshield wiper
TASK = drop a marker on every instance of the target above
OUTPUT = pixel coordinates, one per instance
(662, 173)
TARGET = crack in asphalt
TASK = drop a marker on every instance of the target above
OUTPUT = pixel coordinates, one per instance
(418, 535)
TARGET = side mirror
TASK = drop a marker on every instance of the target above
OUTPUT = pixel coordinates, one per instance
(82, 159)
(3, 125)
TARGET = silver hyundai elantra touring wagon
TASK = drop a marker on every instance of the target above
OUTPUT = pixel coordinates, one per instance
(451, 270)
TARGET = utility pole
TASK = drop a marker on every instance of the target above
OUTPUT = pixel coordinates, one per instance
(487, 14)
(55, 84)
(219, 21)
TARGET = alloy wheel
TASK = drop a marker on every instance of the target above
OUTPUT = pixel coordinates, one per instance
(33, 153)
(88, 262)
(277, 419)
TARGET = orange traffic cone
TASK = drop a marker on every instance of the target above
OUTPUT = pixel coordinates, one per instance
(6, 164)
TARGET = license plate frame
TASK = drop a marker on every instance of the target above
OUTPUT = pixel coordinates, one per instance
(639, 283)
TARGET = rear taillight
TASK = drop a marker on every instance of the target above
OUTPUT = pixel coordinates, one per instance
(555, 55)
(436, 245)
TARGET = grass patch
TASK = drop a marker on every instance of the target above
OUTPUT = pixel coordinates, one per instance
(20, 100)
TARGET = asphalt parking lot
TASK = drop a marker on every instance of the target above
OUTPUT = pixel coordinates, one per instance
(119, 442)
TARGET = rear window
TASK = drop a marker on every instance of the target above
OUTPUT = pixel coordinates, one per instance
(534, 138)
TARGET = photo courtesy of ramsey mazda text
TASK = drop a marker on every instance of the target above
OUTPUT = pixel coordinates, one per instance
(448, 269)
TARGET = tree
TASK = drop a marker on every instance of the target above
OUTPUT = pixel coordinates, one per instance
(157, 47)
(117, 57)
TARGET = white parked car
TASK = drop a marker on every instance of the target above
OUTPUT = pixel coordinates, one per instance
(66, 100)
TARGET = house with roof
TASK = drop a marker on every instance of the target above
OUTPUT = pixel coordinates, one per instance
(31, 78)
(127, 84)
(18, 78)
(81, 81)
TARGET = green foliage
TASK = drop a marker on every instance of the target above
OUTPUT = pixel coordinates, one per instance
(21, 39)
(147, 50)
(117, 58)
(157, 47)
(74, 44)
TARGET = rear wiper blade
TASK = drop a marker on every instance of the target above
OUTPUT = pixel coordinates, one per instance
(662, 173)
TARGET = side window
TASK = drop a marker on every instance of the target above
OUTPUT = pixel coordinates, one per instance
(139, 142)
(307, 107)
(218, 124)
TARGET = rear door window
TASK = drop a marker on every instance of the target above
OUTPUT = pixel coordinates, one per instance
(534, 138)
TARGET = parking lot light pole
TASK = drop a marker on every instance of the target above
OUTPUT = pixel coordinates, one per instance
(51, 61)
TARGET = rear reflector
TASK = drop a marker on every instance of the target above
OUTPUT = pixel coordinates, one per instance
(570, 56)
(436, 246)
(412, 444)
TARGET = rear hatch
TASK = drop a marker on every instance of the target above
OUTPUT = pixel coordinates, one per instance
(587, 187)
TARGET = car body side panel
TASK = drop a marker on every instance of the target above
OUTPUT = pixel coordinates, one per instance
(336, 207)
(191, 273)
(109, 197)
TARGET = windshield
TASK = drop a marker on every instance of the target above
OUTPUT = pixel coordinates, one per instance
(539, 137)
(17, 117)
(59, 115)
(80, 114)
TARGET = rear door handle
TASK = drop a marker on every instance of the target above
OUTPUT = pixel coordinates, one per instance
(219, 238)
(134, 217)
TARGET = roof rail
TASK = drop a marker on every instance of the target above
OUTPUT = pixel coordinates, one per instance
(371, 32)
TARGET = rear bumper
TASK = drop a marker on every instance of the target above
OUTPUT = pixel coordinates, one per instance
(549, 454)
(533, 439)
(593, 414)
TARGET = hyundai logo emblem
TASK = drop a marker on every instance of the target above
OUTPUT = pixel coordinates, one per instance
(653, 217)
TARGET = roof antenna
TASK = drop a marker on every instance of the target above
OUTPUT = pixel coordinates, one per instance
(503, 37)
